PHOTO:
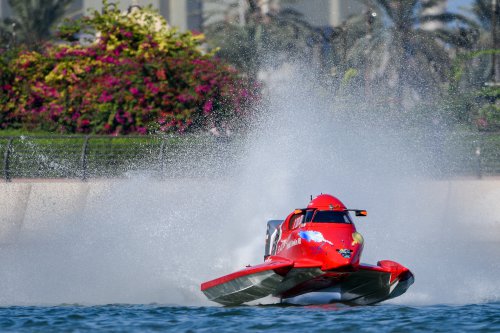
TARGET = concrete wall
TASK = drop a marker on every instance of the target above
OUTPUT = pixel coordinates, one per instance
(22, 204)
(29, 206)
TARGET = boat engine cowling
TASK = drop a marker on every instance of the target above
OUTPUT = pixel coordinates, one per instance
(272, 236)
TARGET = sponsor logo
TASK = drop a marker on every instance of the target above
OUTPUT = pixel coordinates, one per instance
(286, 245)
(313, 236)
(346, 253)
(292, 243)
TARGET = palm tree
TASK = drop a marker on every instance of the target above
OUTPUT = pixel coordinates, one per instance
(478, 67)
(483, 67)
(483, 10)
(33, 20)
(397, 54)
(260, 37)
(487, 13)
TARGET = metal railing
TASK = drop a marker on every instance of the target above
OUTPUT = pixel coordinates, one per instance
(84, 157)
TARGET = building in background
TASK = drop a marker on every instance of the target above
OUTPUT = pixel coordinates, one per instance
(5, 10)
(334, 12)
(75, 9)
(318, 13)
(185, 14)
(190, 14)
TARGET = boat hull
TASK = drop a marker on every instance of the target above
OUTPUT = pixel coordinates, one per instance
(364, 287)
(295, 283)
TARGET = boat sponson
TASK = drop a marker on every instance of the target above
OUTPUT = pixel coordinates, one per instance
(249, 284)
(244, 289)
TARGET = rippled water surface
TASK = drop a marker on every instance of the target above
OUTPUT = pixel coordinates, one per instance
(143, 318)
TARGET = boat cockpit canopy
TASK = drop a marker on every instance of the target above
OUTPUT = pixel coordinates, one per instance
(327, 216)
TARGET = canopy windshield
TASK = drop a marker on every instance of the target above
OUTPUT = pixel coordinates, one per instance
(328, 216)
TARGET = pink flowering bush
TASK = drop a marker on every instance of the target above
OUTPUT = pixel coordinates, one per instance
(138, 75)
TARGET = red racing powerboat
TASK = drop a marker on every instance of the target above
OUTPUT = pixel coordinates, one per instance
(313, 257)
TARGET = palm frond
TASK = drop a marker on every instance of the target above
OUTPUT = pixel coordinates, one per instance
(462, 38)
(448, 18)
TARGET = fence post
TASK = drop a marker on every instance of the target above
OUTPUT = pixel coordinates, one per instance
(6, 164)
(478, 156)
(162, 159)
(84, 158)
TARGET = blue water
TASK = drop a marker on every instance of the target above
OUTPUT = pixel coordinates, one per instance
(334, 318)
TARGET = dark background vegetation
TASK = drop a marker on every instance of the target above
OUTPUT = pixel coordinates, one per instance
(107, 74)
(383, 57)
